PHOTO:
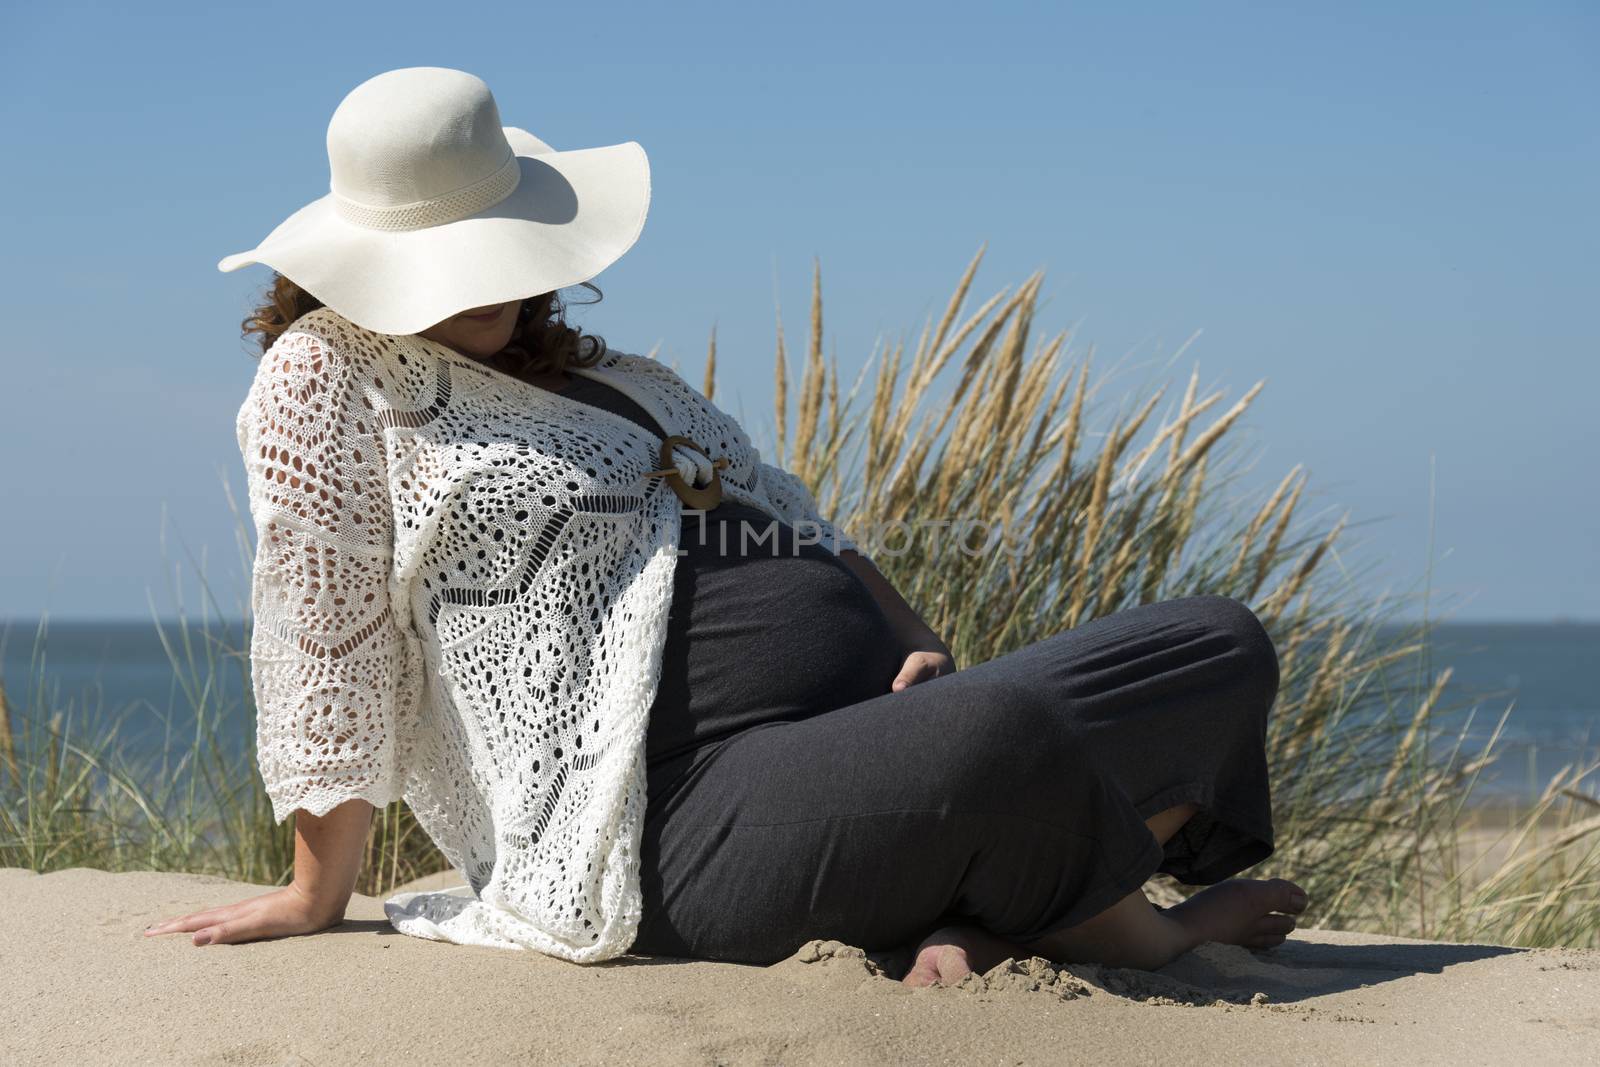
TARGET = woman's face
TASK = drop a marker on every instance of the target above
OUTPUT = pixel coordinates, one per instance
(477, 332)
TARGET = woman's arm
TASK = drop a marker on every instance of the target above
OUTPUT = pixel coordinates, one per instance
(927, 656)
(330, 663)
(327, 858)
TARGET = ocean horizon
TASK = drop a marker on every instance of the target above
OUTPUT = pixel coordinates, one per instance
(1543, 677)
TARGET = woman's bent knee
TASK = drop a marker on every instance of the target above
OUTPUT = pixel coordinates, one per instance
(1253, 644)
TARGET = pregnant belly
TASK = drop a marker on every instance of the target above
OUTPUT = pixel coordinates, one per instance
(762, 631)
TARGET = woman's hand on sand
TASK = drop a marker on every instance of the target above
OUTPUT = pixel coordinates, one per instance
(928, 658)
(280, 913)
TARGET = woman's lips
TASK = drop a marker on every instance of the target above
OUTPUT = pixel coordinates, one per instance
(485, 316)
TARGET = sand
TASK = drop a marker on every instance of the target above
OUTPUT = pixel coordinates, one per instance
(80, 983)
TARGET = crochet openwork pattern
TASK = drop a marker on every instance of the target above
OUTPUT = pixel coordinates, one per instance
(460, 589)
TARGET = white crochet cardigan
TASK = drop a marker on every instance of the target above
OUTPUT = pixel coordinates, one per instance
(460, 591)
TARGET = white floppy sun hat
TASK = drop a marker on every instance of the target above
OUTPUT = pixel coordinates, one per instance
(434, 207)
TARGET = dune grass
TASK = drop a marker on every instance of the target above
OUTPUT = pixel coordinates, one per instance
(1064, 508)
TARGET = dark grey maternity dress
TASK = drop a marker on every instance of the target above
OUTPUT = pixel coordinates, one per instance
(792, 796)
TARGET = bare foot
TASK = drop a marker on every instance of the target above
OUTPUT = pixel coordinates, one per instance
(951, 953)
(1251, 912)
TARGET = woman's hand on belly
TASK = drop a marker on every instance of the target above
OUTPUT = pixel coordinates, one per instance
(926, 655)
(927, 658)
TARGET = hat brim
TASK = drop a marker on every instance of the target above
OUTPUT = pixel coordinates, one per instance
(571, 215)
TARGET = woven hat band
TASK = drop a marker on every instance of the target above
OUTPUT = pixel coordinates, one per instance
(458, 204)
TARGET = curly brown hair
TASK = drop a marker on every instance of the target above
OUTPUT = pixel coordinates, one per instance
(542, 342)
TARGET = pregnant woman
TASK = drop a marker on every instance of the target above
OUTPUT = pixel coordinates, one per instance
(640, 693)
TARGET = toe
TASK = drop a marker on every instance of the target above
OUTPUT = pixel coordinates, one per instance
(1264, 941)
(1287, 896)
(941, 959)
(929, 968)
(1278, 925)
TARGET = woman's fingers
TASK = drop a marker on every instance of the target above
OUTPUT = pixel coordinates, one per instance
(210, 919)
(221, 926)
(907, 676)
(226, 933)
(282, 912)
(918, 667)
(192, 921)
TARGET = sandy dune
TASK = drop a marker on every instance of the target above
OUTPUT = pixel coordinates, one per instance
(80, 983)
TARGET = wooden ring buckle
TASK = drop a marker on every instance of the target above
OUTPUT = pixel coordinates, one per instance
(702, 499)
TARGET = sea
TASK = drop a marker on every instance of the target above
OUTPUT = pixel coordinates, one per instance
(1542, 679)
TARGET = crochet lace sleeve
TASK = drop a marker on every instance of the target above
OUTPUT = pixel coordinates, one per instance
(328, 659)
(797, 504)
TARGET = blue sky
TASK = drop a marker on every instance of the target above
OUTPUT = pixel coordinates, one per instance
(1385, 210)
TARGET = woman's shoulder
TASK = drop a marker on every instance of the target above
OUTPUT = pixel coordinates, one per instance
(329, 332)
(647, 367)
(621, 359)
(388, 364)
(331, 367)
